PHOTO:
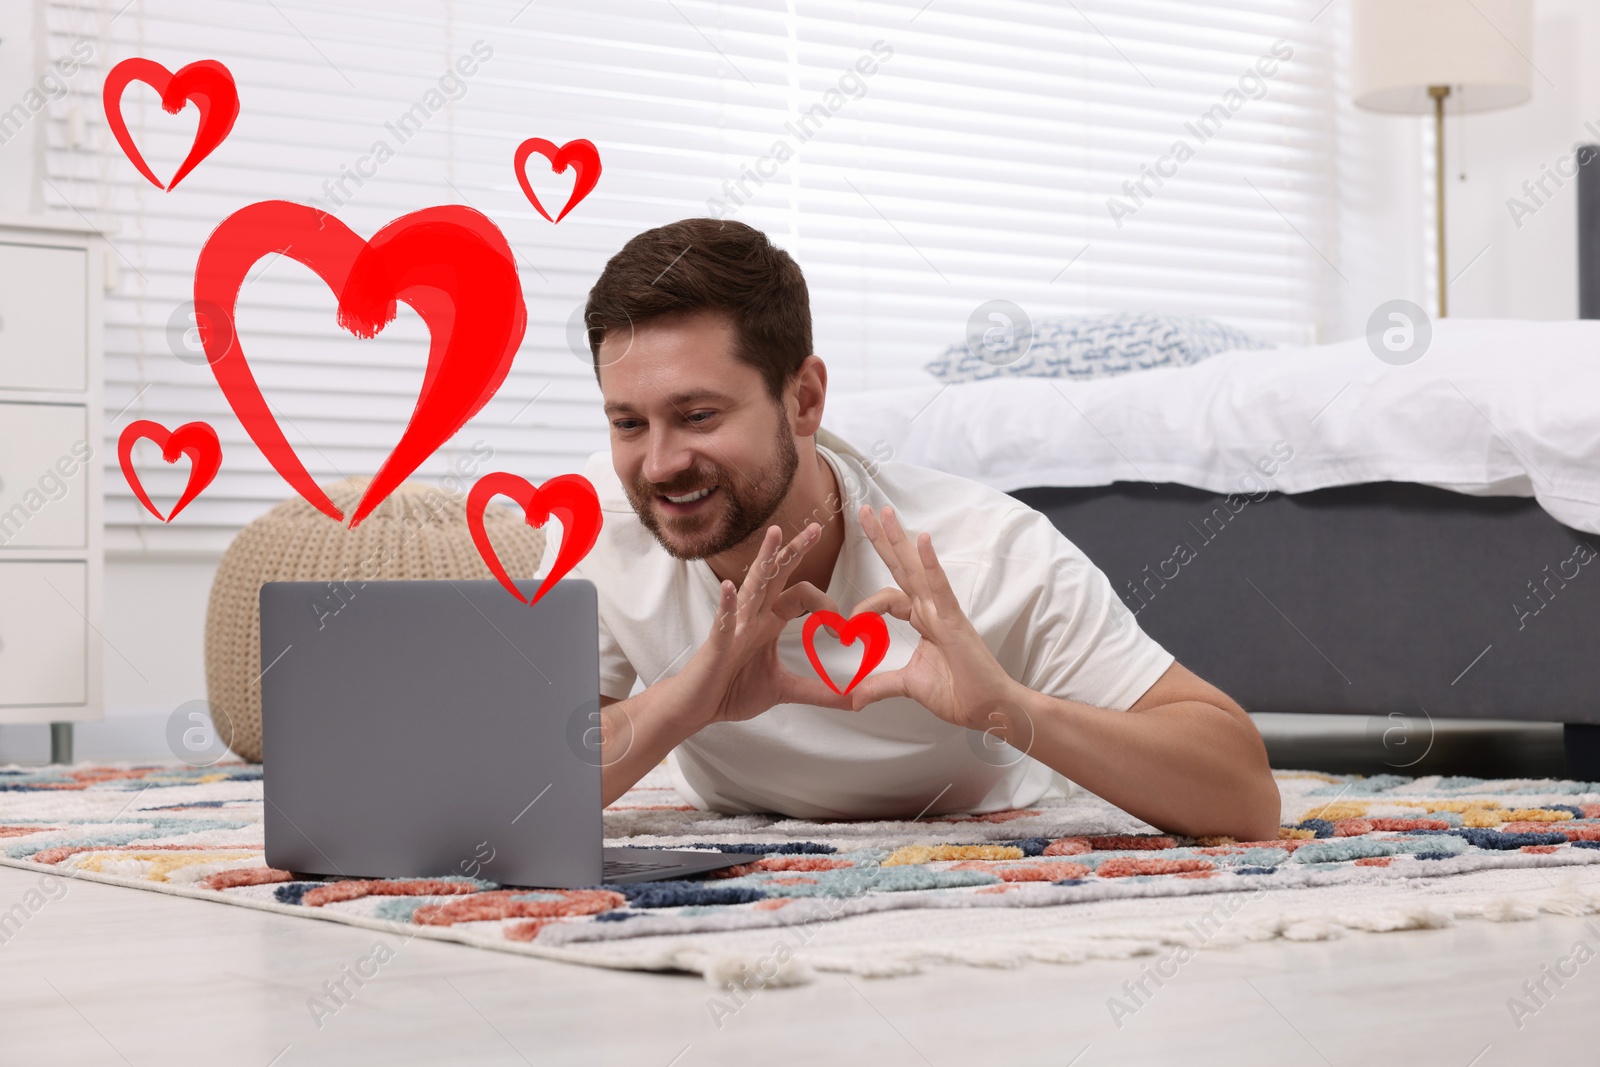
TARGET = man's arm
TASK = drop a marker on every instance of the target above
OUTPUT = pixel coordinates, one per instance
(1185, 757)
(734, 675)
(637, 733)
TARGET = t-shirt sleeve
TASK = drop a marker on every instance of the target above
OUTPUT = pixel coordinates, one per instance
(616, 673)
(1069, 634)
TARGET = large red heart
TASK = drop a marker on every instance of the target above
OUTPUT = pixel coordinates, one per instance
(449, 263)
(569, 497)
(207, 83)
(581, 155)
(867, 625)
(197, 440)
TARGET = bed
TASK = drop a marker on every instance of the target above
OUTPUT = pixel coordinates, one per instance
(1313, 529)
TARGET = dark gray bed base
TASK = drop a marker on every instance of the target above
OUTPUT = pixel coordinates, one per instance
(1368, 599)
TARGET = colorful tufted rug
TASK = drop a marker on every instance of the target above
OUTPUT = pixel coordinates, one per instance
(1376, 853)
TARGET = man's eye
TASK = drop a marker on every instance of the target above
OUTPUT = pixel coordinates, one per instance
(701, 416)
(625, 424)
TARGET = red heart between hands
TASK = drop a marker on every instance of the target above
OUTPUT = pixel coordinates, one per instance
(207, 83)
(196, 440)
(449, 263)
(569, 497)
(581, 155)
(868, 625)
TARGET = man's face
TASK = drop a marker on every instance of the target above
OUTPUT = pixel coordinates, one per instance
(704, 452)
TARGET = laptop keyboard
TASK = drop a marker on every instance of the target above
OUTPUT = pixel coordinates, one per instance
(650, 861)
(634, 866)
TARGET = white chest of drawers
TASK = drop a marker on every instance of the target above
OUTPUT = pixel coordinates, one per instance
(51, 462)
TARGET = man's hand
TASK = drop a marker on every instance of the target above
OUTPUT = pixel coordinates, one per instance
(952, 673)
(736, 671)
(734, 675)
(1184, 757)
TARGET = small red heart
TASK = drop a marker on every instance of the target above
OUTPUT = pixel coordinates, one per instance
(449, 263)
(206, 83)
(569, 497)
(868, 625)
(197, 440)
(581, 155)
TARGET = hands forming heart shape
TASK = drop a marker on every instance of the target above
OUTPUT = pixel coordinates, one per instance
(197, 440)
(207, 84)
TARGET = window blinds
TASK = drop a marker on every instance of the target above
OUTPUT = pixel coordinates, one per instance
(917, 158)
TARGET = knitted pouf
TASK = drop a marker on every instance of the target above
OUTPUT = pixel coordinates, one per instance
(418, 532)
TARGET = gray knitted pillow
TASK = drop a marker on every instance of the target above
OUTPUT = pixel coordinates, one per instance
(1090, 346)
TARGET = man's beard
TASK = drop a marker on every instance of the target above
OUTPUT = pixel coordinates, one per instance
(749, 503)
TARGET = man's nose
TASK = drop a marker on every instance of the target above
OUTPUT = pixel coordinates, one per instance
(667, 456)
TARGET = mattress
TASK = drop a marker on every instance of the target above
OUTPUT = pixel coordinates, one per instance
(1492, 408)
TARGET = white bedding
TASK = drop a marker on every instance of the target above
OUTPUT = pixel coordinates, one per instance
(1496, 408)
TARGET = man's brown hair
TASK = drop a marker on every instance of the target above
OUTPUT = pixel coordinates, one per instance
(709, 265)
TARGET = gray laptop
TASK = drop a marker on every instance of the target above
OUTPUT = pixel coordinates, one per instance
(420, 729)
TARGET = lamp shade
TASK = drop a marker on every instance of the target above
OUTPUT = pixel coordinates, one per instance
(1481, 49)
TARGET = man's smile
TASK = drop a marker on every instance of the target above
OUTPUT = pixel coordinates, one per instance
(688, 503)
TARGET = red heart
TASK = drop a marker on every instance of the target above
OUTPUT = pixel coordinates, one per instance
(581, 155)
(449, 263)
(569, 497)
(868, 625)
(207, 83)
(197, 440)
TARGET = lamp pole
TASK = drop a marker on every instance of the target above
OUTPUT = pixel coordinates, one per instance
(1438, 93)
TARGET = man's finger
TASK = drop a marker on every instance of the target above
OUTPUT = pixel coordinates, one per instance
(906, 553)
(794, 689)
(787, 559)
(880, 544)
(722, 626)
(938, 581)
(801, 598)
(876, 687)
(888, 599)
(753, 587)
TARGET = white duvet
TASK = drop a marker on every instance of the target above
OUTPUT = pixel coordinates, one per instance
(1497, 408)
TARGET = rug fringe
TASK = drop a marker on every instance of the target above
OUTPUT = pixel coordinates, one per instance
(1287, 924)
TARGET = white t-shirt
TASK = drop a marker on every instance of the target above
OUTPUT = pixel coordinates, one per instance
(1048, 614)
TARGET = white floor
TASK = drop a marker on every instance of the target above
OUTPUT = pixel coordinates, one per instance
(105, 975)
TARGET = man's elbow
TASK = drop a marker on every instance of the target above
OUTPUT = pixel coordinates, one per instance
(1254, 807)
(1260, 808)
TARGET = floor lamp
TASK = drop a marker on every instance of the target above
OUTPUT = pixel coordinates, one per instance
(1411, 56)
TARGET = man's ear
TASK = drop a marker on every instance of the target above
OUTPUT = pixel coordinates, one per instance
(806, 392)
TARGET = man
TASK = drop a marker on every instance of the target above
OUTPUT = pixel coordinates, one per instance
(730, 513)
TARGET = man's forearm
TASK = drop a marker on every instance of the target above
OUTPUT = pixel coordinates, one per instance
(1188, 767)
(638, 733)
